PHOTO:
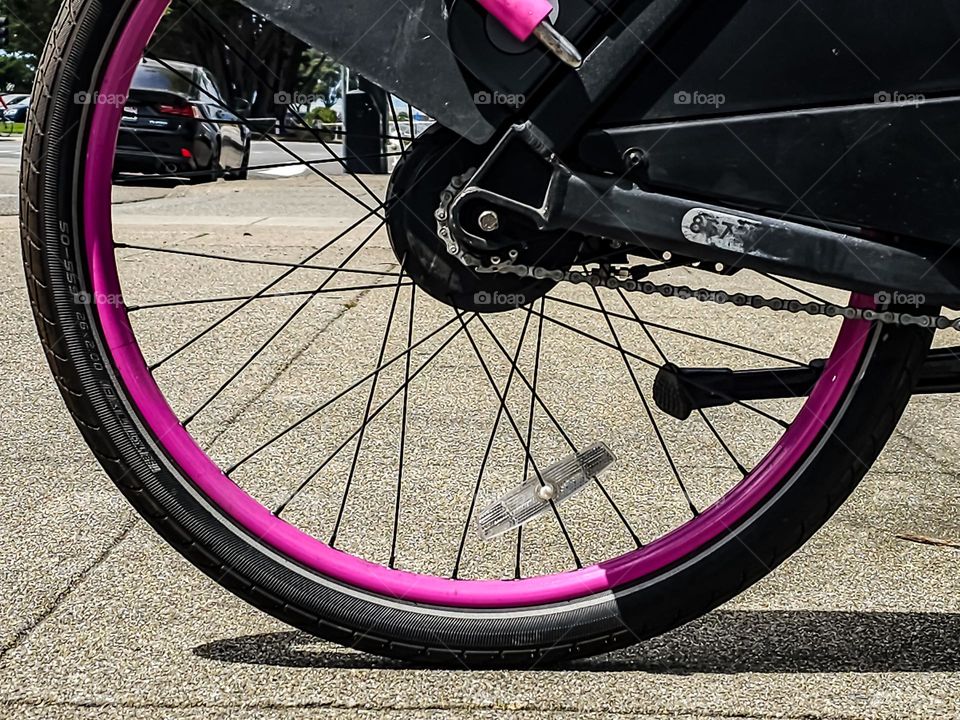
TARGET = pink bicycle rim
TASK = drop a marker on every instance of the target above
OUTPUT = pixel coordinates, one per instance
(311, 553)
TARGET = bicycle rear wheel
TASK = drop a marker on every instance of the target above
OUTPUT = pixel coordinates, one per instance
(319, 435)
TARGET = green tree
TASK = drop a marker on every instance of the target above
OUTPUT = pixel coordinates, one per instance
(16, 73)
(322, 115)
(30, 23)
(319, 77)
(253, 59)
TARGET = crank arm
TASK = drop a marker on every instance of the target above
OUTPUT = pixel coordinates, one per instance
(680, 391)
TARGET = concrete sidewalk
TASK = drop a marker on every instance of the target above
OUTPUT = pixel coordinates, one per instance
(99, 619)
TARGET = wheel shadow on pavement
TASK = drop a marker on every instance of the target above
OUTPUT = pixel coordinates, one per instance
(724, 642)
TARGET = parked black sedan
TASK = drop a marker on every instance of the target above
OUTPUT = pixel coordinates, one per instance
(175, 123)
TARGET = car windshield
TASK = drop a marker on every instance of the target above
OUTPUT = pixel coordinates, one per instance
(150, 77)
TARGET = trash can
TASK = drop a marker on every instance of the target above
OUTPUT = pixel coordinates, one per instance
(365, 118)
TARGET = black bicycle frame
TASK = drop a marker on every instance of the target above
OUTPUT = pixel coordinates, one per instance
(819, 140)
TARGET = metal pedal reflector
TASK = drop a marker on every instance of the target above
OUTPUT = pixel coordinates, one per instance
(560, 481)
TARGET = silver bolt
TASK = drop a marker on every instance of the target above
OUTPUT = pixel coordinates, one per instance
(719, 267)
(667, 256)
(547, 492)
(488, 220)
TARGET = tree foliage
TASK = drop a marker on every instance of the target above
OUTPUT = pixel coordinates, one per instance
(30, 23)
(252, 59)
(16, 73)
(320, 77)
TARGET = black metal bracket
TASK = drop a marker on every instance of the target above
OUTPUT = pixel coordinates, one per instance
(577, 98)
(620, 209)
(680, 391)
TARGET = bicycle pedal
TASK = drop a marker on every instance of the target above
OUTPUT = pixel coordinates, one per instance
(559, 482)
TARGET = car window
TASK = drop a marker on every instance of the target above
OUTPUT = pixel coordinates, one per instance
(151, 77)
(210, 92)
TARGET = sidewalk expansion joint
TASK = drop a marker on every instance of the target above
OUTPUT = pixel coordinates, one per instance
(26, 630)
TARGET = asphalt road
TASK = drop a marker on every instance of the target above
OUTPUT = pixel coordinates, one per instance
(9, 175)
(99, 619)
(276, 161)
(288, 158)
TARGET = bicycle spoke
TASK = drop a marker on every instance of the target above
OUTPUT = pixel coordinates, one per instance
(550, 415)
(643, 325)
(619, 512)
(313, 131)
(283, 326)
(646, 406)
(366, 414)
(403, 430)
(520, 374)
(271, 296)
(273, 141)
(793, 287)
(317, 136)
(396, 125)
(519, 435)
(300, 488)
(269, 286)
(582, 333)
(131, 179)
(517, 571)
(663, 356)
(265, 263)
(486, 454)
(343, 393)
(680, 331)
(726, 448)
(413, 127)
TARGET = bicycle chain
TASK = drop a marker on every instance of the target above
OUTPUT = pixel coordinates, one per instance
(616, 281)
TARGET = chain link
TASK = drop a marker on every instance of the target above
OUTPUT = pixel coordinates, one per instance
(620, 280)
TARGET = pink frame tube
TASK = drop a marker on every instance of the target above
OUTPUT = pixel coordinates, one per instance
(520, 17)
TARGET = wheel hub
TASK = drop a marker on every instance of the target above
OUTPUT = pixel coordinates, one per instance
(413, 198)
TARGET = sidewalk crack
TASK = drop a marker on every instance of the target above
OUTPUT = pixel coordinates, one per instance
(27, 629)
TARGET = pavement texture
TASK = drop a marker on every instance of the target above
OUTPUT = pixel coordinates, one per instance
(100, 619)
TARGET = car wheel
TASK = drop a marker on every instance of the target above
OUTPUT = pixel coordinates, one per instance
(213, 172)
(243, 173)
